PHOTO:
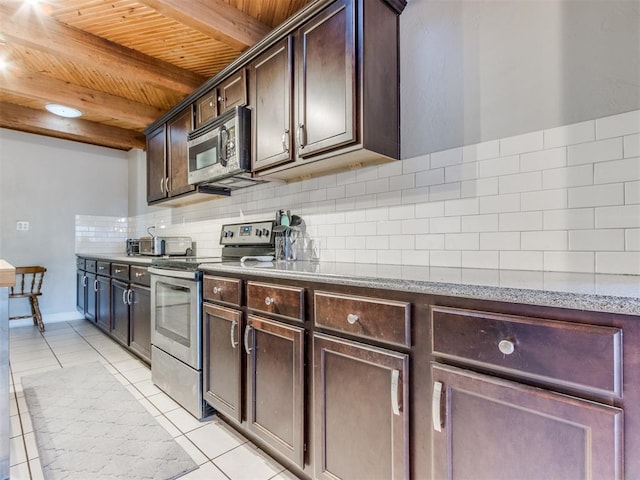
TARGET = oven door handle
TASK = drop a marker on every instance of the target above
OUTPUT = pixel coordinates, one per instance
(173, 273)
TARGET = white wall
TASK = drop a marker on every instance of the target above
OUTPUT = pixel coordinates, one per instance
(47, 182)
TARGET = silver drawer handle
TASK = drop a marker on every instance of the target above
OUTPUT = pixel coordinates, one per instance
(247, 348)
(435, 406)
(139, 274)
(269, 301)
(352, 318)
(234, 344)
(118, 270)
(100, 268)
(395, 387)
(506, 347)
(217, 290)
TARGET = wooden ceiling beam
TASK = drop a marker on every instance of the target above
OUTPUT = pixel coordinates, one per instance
(109, 58)
(90, 102)
(215, 19)
(41, 122)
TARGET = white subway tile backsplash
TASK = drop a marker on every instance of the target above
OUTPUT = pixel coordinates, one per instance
(569, 262)
(378, 186)
(521, 260)
(593, 152)
(446, 157)
(467, 206)
(505, 165)
(500, 241)
(415, 226)
(444, 225)
(378, 242)
(366, 201)
(631, 193)
(543, 160)
(352, 189)
(400, 182)
(376, 214)
(618, 125)
(632, 239)
(347, 256)
(570, 134)
(388, 199)
(577, 176)
(430, 242)
(317, 195)
(528, 142)
(597, 195)
(445, 191)
(480, 223)
(366, 256)
(545, 240)
(522, 182)
(390, 257)
(389, 169)
(412, 196)
(366, 174)
(389, 227)
(462, 171)
(481, 151)
(442, 258)
(431, 209)
(415, 164)
(417, 258)
(570, 219)
(479, 187)
(631, 145)
(480, 259)
(626, 263)
(401, 212)
(596, 240)
(627, 216)
(429, 177)
(462, 241)
(617, 170)
(544, 200)
(500, 203)
(403, 242)
(523, 221)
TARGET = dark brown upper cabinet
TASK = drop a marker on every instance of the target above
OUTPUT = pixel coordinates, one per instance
(229, 94)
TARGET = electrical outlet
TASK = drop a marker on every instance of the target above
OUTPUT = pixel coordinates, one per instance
(22, 226)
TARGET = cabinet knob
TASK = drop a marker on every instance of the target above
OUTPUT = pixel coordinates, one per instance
(217, 290)
(269, 301)
(234, 324)
(220, 98)
(506, 347)
(118, 270)
(352, 318)
(139, 274)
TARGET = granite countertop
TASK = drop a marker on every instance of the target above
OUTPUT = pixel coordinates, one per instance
(581, 291)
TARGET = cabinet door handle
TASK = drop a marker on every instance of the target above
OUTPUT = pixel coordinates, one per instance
(124, 296)
(84, 280)
(285, 140)
(167, 185)
(162, 185)
(353, 318)
(217, 290)
(95, 285)
(234, 344)
(247, 348)
(436, 400)
(395, 391)
(300, 136)
(129, 296)
(269, 301)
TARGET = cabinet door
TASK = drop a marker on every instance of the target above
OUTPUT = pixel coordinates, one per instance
(92, 295)
(222, 365)
(140, 321)
(120, 311)
(484, 427)
(206, 108)
(103, 303)
(271, 92)
(81, 291)
(177, 156)
(361, 418)
(156, 165)
(275, 379)
(326, 73)
(232, 92)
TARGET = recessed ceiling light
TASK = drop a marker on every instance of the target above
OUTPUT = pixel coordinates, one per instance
(63, 111)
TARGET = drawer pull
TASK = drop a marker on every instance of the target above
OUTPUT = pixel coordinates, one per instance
(217, 290)
(118, 270)
(101, 267)
(247, 348)
(352, 318)
(95, 285)
(234, 344)
(395, 387)
(269, 301)
(139, 274)
(506, 347)
(435, 406)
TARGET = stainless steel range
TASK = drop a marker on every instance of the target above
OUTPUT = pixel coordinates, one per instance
(176, 312)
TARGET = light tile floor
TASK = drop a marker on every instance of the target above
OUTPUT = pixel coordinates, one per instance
(220, 451)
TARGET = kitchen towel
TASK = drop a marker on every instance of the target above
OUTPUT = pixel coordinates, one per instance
(88, 426)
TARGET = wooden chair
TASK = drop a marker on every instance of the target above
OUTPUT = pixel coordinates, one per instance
(29, 282)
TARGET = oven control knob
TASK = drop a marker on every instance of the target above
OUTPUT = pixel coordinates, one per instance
(265, 232)
(230, 233)
(259, 233)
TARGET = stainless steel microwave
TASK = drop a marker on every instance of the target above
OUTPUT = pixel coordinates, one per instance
(220, 151)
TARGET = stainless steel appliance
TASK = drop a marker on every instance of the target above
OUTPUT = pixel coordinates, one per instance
(176, 312)
(133, 246)
(157, 246)
(220, 152)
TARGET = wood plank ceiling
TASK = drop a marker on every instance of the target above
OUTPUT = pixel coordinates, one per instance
(123, 63)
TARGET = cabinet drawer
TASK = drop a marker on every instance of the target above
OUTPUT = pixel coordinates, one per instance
(218, 289)
(275, 299)
(386, 321)
(104, 268)
(80, 263)
(120, 271)
(574, 355)
(90, 266)
(140, 275)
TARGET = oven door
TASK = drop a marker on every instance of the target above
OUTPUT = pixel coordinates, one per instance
(175, 314)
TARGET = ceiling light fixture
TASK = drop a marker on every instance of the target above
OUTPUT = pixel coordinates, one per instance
(63, 111)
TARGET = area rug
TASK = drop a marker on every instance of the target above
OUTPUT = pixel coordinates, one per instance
(89, 426)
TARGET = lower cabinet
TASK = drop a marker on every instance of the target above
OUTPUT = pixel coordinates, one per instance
(275, 385)
(361, 419)
(485, 427)
(91, 298)
(120, 298)
(81, 291)
(102, 289)
(140, 321)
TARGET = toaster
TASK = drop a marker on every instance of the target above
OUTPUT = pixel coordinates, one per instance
(158, 246)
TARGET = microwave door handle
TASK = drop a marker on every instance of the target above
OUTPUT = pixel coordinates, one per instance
(222, 145)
